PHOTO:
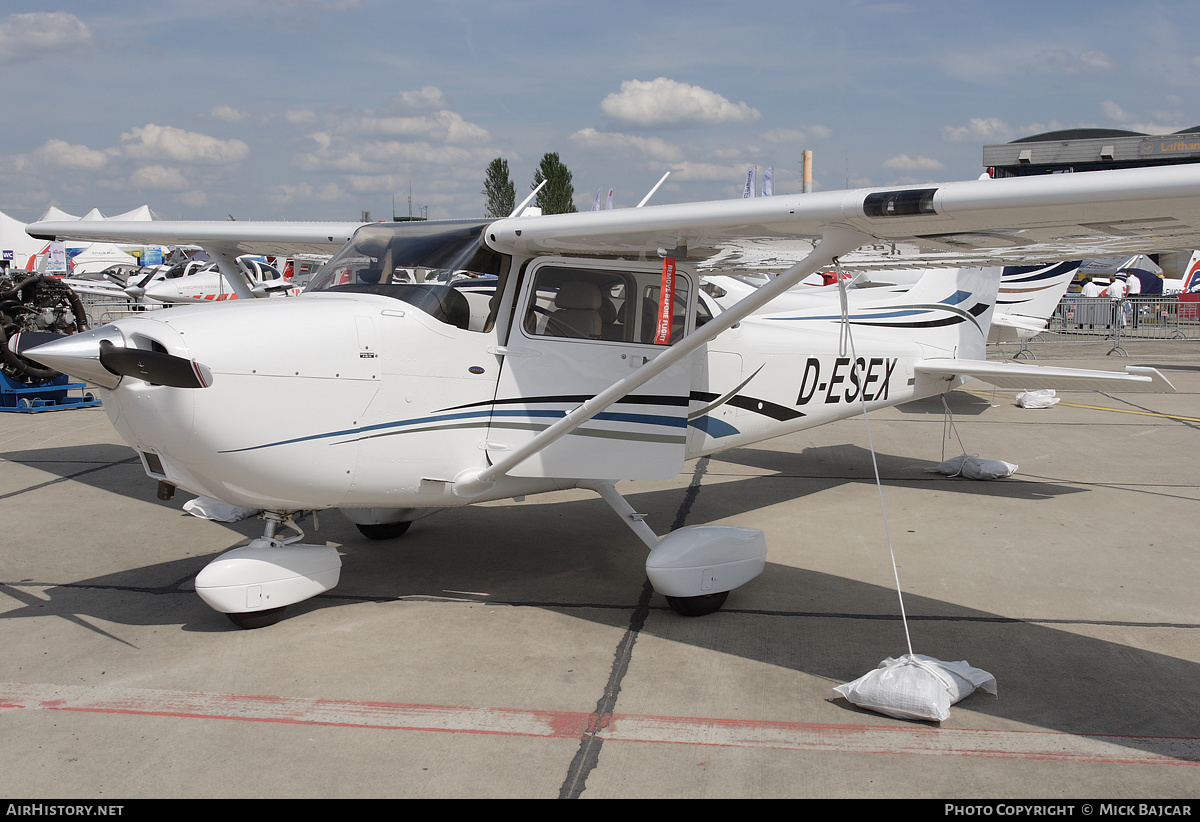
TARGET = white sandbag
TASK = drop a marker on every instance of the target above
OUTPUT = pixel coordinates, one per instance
(1042, 398)
(916, 687)
(206, 508)
(972, 467)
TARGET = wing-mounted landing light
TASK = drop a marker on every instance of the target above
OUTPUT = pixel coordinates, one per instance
(157, 367)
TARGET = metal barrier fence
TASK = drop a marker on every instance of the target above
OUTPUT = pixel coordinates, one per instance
(103, 309)
(1096, 319)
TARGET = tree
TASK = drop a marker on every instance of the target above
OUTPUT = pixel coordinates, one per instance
(558, 195)
(498, 187)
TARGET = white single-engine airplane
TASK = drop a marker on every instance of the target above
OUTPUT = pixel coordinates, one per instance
(208, 284)
(432, 365)
(1027, 298)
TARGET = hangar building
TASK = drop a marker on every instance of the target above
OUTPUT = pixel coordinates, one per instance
(1090, 149)
(1095, 149)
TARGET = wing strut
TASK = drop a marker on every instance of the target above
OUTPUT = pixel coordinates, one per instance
(227, 264)
(835, 241)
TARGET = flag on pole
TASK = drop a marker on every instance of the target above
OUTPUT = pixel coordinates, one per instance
(748, 191)
(610, 199)
(596, 200)
(769, 181)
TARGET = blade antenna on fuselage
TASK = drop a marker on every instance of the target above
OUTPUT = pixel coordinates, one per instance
(650, 193)
(524, 203)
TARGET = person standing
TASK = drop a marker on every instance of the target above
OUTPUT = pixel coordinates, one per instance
(1133, 289)
(1116, 293)
(1091, 289)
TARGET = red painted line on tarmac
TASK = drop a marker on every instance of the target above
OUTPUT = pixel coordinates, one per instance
(729, 733)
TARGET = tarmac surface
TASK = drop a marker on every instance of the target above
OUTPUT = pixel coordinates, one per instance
(515, 650)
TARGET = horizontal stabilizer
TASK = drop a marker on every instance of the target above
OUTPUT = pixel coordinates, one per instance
(1019, 323)
(1029, 377)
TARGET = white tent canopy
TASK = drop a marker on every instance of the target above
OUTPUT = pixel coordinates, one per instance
(91, 257)
(56, 213)
(97, 257)
(13, 239)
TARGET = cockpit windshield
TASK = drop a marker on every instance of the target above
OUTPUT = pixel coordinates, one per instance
(442, 268)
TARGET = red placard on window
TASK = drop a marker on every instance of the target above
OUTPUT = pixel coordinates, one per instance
(667, 302)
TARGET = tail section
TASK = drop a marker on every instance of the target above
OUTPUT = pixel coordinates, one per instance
(1028, 296)
(952, 310)
(1191, 280)
(947, 312)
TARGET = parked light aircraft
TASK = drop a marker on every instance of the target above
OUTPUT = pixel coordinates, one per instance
(1027, 297)
(185, 282)
(208, 284)
(568, 351)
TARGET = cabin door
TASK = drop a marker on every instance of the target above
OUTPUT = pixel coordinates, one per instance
(579, 327)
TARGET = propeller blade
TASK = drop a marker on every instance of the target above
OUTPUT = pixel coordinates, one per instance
(267, 289)
(155, 367)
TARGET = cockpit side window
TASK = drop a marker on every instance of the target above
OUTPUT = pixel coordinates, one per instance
(443, 269)
(604, 304)
(581, 304)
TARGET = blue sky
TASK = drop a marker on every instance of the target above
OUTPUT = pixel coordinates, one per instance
(322, 109)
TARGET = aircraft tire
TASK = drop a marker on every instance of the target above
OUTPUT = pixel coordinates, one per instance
(257, 619)
(698, 606)
(388, 530)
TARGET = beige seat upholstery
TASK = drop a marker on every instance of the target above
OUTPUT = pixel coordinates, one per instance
(576, 311)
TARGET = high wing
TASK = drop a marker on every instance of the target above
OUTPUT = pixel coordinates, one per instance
(1044, 218)
(224, 241)
(1027, 219)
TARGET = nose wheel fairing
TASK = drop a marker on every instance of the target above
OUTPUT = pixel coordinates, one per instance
(264, 575)
(268, 575)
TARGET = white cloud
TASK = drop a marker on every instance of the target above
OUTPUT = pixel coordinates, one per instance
(62, 153)
(1097, 60)
(195, 199)
(668, 102)
(980, 129)
(1153, 128)
(651, 148)
(169, 143)
(430, 97)
(904, 162)
(36, 33)
(999, 62)
(305, 192)
(709, 172)
(158, 177)
(1113, 111)
(300, 117)
(1126, 120)
(1060, 61)
(229, 114)
(443, 125)
(797, 135)
(374, 158)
